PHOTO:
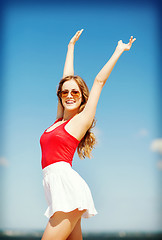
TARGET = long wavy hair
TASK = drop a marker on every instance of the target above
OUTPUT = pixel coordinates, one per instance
(89, 140)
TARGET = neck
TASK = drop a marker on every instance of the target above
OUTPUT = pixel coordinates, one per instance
(69, 114)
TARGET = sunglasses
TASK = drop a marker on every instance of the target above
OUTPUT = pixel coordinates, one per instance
(74, 93)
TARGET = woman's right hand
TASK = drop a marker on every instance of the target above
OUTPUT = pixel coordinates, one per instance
(76, 36)
(125, 47)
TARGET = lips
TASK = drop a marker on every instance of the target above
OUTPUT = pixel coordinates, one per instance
(70, 102)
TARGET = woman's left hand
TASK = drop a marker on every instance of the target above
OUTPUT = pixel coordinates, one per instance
(125, 47)
(76, 36)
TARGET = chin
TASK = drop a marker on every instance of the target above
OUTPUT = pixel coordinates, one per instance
(70, 108)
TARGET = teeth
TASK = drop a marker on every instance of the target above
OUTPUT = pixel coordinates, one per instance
(69, 102)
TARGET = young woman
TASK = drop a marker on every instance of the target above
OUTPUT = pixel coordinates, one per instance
(68, 196)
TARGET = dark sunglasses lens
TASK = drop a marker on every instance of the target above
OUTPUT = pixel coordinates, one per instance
(64, 94)
(75, 93)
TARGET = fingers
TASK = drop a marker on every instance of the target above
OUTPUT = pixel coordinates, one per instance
(76, 36)
(131, 40)
(120, 41)
(79, 33)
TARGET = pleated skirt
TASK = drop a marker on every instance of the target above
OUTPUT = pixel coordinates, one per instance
(65, 190)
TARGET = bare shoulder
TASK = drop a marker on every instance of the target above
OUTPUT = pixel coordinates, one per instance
(77, 126)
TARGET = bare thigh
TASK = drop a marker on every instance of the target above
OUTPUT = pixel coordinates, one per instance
(77, 232)
(61, 224)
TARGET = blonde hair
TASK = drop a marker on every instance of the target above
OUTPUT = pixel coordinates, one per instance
(89, 140)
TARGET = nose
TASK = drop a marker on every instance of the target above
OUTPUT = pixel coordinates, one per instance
(69, 94)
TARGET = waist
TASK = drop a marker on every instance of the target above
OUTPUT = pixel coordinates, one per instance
(55, 167)
(51, 160)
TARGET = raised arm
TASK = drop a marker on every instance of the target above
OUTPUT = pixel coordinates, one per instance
(89, 111)
(69, 62)
(68, 67)
(103, 75)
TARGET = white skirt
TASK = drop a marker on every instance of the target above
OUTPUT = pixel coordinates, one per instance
(66, 190)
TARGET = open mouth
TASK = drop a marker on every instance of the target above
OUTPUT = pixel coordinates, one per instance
(69, 102)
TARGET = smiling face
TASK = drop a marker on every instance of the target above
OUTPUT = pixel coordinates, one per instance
(71, 96)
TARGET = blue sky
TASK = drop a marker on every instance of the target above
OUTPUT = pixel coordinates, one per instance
(123, 174)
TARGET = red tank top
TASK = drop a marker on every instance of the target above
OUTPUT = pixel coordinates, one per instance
(57, 145)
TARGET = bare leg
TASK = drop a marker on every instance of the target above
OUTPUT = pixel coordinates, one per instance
(76, 234)
(61, 224)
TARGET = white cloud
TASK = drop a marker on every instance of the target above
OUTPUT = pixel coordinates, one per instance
(156, 145)
(159, 164)
(3, 162)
